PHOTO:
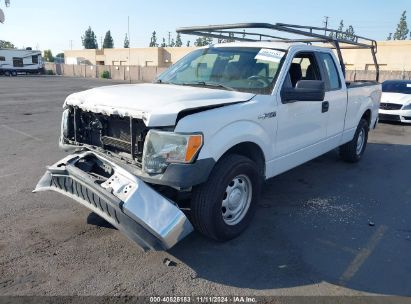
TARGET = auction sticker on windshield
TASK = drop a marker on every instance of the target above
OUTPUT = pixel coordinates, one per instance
(270, 55)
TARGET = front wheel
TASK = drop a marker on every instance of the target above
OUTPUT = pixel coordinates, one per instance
(353, 150)
(223, 207)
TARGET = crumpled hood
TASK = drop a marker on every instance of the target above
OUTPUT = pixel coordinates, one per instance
(156, 104)
(397, 98)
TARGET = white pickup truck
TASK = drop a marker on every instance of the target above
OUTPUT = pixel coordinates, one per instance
(193, 148)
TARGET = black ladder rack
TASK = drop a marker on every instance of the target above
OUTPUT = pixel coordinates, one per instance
(240, 32)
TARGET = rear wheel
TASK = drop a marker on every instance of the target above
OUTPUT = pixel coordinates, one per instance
(353, 150)
(7, 73)
(223, 207)
(13, 73)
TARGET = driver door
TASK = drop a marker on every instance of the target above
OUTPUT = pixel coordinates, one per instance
(301, 124)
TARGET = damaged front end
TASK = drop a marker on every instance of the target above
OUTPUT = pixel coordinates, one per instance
(121, 198)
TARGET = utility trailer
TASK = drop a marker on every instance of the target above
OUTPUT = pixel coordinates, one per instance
(14, 61)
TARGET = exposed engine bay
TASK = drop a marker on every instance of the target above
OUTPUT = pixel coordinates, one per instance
(120, 135)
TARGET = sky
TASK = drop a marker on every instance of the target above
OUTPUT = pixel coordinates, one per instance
(58, 25)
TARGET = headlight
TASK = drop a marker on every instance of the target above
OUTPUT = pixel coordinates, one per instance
(163, 148)
(407, 107)
(65, 124)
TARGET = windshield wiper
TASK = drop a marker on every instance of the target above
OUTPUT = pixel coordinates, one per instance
(208, 84)
(163, 82)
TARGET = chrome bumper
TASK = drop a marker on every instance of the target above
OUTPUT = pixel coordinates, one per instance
(122, 199)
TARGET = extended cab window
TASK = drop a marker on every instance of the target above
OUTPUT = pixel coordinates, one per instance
(331, 71)
(303, 67)
(2, 58)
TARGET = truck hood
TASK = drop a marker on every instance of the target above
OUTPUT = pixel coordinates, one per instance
(397, 98)
(156, 104)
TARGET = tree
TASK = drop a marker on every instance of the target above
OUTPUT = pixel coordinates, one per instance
(389, 36)
(6, 45)
(108, 41)
(349, 33)
(89, 39)
(172, 43)
(126, 42)
(188, 43)
(179, 43)
(153, 41)
(402, 30)
(202, 41)
(163, 44)
(199, 42)
(48, 56)
(60, 55)
(340, 29)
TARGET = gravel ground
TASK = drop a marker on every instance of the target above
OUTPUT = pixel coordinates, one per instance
(324, 228)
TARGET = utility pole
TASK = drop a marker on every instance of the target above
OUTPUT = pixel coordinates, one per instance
(326, 18)
(129, 49)
(169, 38)
(101, 41)
(71, 44)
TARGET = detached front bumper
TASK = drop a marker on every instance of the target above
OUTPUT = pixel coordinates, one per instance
(122, 199)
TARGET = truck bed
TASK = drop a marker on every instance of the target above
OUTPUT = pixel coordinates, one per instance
(360, 83)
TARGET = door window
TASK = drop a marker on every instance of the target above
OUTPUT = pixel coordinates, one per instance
(334, 82)
(303, 67)
(18, 62)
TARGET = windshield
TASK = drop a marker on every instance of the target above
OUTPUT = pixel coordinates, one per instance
(397, 87)
(252, 70)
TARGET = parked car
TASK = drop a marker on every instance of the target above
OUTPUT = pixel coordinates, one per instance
(212, 128)
(396, 101)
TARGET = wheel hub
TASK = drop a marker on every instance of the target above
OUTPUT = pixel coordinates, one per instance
(234, 199)
(237, 199)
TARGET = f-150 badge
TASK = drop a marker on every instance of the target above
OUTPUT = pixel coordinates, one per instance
(268, 115)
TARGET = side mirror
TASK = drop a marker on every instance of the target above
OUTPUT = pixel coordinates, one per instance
(305, 90)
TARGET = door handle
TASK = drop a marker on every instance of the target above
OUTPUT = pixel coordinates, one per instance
(325, 106)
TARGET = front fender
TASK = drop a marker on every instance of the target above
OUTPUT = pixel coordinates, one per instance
(233, 134)
(228, 126)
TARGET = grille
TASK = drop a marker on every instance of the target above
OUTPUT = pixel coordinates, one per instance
(389, 117)
(71, 186)
(390, 106)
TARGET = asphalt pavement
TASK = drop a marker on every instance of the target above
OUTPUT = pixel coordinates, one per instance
(324, 228)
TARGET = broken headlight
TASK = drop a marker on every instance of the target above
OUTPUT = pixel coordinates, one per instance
(65, 124)
(162, 148)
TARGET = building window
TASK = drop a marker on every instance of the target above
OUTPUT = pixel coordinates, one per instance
(35, 59)
(2, 58)
(18, 62)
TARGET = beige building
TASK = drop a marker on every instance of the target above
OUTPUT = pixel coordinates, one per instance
(392, 56)
(151, 56)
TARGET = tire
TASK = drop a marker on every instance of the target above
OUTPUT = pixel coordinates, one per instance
(234, 182)
(7, 73)
(353, 150)
(13, 73)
